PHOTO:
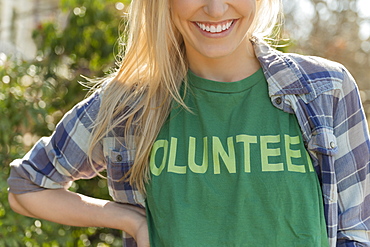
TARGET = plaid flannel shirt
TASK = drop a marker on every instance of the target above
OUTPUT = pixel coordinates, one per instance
(321, 93)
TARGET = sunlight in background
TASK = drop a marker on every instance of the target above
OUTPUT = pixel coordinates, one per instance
(304, 11)
(363, 8)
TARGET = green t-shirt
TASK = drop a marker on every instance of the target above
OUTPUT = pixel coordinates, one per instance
(232, 172)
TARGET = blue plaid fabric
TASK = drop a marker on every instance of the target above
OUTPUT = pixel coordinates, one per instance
(321, 93)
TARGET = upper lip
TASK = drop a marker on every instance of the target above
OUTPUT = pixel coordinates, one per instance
(214, 23)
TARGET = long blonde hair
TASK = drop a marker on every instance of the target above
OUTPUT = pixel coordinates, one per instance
(153, 66)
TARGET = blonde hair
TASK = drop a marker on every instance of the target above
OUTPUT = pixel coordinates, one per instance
(268, 19)
(139, 95)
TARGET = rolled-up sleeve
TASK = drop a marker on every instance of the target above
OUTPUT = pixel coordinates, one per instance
(55, 161)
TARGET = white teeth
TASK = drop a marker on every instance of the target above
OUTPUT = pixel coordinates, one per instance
(215, 28)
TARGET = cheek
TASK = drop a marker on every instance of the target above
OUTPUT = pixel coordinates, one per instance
(182, 9)
(249, 11)
(180, 14)
(246, 7)
(176, 5)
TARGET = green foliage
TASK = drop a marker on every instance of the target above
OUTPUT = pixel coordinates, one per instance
(34, 95)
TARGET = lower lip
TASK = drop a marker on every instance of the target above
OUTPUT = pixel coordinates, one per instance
(216, 35)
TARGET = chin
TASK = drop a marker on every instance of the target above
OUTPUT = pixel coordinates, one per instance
(215, 53)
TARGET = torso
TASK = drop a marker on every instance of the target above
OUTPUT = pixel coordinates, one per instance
(234, 172)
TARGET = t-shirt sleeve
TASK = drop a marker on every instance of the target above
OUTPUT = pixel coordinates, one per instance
(55, 161)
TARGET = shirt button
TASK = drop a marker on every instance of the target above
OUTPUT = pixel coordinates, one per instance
(278, 101)
(332, 144)
(119, 158)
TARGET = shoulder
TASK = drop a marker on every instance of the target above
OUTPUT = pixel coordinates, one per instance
(323, 75)
(316, 74)
(85, 111)
(78, 123)
(296, 67)
(317, 67)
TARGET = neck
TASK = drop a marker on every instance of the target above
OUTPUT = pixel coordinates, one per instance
(233, 67)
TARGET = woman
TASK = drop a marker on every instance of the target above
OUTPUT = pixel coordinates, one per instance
(223, 140)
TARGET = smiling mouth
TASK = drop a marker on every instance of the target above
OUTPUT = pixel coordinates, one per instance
(215, 28)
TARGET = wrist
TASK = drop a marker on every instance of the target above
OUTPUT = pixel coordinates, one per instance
(125, 217)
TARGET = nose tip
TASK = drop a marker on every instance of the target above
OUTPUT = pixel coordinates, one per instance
(216, 8)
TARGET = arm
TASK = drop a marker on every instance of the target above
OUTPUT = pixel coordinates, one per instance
(352, 167)
(65, 207)
(38, 182)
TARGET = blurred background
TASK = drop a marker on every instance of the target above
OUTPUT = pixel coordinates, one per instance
(46, 45)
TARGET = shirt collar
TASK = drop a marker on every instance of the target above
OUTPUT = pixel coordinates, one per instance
(282, 73)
